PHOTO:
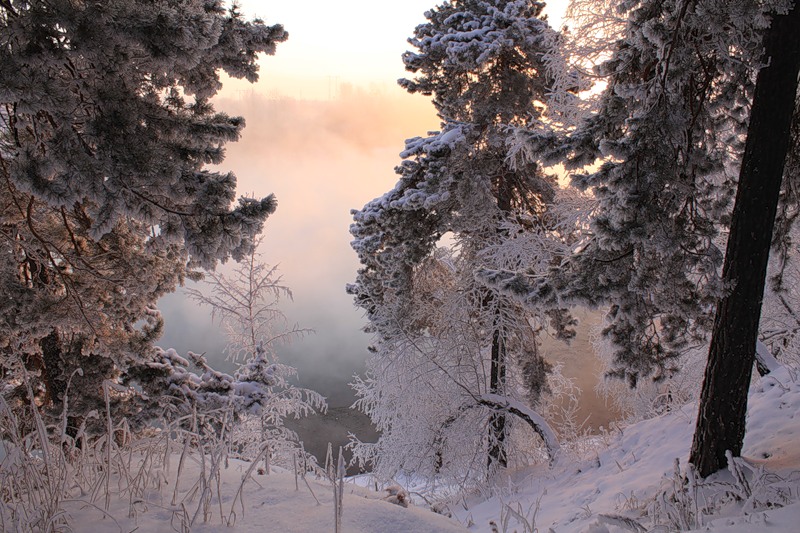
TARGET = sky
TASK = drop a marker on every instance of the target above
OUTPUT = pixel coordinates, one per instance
(325, 125)
(354, 41)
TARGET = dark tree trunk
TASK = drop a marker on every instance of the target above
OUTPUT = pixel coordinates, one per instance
(723, 400)
(53, 362)
(498, 456)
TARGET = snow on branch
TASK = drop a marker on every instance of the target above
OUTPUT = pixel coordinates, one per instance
(528, 415)
(765, 358)
(520, 286)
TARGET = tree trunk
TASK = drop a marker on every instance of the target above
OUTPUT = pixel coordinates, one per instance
(498, 456)
(52, 363)
(723, 401)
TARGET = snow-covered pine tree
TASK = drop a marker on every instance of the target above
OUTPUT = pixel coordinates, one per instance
(448, 350)
(669, 131)
(107, 204)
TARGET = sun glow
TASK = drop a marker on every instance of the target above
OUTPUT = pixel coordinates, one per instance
(359, 42)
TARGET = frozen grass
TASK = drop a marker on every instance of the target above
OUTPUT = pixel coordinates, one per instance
(182, 477)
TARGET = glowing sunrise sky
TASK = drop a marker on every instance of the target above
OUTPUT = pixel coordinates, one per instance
(354, 41)
(325, 125)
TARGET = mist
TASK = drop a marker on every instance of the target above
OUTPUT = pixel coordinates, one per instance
(321, 158)
(323, 148)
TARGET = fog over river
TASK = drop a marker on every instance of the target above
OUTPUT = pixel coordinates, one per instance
(322, 158)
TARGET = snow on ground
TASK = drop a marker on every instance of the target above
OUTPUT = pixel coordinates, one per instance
(629, 483)
(272, 504)
(633, 471)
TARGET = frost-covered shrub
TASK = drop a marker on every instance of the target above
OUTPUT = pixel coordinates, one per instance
(262, 394)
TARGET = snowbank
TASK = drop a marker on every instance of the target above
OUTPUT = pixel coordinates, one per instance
(632, 475)
(636, 479)
(272, 504)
